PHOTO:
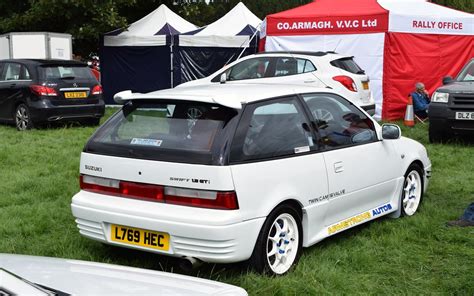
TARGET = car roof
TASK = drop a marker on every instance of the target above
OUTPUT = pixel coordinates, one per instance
(45, 62)
(230, 95)
(326, 54)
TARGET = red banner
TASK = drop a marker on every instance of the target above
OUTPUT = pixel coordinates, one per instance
(327, 25)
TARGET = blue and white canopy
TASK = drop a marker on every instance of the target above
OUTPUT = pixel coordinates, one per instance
(151, 30)
(234, 29)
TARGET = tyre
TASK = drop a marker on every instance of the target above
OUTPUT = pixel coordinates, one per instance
(23, 118)
(279, 242)
(412, 193)
(436, 136)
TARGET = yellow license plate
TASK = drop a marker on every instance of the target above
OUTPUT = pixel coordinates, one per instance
(365, 84)
(75, 95)
(140, 237)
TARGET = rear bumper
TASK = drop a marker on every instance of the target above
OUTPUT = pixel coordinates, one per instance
(220, 240)
(443, 120)
(44, 111)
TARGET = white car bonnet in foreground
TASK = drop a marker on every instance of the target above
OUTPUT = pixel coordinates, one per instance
(90, 278)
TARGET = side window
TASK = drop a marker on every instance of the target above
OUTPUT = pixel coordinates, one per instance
(305, 66)
(249, 69)
(339, 122)
(271, 129)
(291, 66)
(25, 74)
(2, 73)
(12, 71)
(286, 66)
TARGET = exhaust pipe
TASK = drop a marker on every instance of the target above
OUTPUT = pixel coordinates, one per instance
(189, 263)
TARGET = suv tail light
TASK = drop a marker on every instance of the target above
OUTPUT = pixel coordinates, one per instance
(41, 90)
(347, 82)
(223, 200)
(97, 90)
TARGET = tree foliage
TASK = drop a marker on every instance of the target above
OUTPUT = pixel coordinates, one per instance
(463, 5)
(86, 20)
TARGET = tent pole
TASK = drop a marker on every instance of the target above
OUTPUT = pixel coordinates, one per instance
(171, 61)
(248, 44)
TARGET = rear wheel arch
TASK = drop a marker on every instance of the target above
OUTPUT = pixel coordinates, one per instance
(293, 203)
(15, 106)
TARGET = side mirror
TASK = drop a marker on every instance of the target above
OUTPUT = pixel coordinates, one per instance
(391, 131)
(223, 78)
(447, 80)
(363, 136)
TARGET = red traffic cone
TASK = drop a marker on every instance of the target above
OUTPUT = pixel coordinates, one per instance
(409, 114)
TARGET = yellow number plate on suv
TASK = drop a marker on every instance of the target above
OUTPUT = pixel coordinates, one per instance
(365, 84)
(75, 95)
(140, 237)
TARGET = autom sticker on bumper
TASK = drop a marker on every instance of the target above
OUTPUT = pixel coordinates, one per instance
(358, 219)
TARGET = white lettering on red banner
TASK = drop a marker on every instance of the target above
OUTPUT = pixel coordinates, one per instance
(437, 25)
(343, 24)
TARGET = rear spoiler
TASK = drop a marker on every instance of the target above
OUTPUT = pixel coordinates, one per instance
(123, 97)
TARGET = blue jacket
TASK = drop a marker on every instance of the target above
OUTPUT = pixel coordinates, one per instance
(420, 101)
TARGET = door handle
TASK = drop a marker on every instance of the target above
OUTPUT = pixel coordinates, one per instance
(309, 81)
(12, 85)
(338, 167)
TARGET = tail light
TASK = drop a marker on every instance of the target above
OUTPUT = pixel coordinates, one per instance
(97, 90)
(346, 81)
(41, 90)
(223, 200)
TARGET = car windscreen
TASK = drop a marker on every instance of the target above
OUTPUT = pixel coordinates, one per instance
(56, 72)
(467, 74)
(348, 64)
(177, 131)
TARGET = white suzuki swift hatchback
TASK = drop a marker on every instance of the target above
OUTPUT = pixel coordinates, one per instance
(226, 173)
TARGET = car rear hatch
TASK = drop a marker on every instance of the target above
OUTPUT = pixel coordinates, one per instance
(349, 67)
(164, 151)
(74, 84)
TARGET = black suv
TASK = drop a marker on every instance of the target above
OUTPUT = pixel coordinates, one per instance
(451, 111)
(34, 91)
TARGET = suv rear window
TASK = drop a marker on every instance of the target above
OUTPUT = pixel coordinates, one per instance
(178, 131)
(54, 72)
(348, 64)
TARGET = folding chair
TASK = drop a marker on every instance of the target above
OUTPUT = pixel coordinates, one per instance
(421, 120)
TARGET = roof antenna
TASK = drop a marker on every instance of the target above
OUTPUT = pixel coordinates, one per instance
(337, 45)
(245, 46)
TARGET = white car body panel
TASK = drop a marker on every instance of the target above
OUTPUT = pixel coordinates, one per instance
(77, 277)
(320, 78)
(368, 185)
(365, 182)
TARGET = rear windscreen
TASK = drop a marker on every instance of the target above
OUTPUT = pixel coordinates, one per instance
(180, 131)
(65, 72)
(348, 64)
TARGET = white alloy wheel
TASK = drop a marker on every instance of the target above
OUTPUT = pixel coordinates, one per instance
(282, 243)
(412, 192)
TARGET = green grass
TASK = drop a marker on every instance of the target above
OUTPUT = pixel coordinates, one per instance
(416, 255)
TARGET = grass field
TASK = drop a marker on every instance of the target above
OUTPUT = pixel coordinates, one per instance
(416, 255)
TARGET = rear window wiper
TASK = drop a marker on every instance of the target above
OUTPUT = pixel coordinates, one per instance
(68, 77)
